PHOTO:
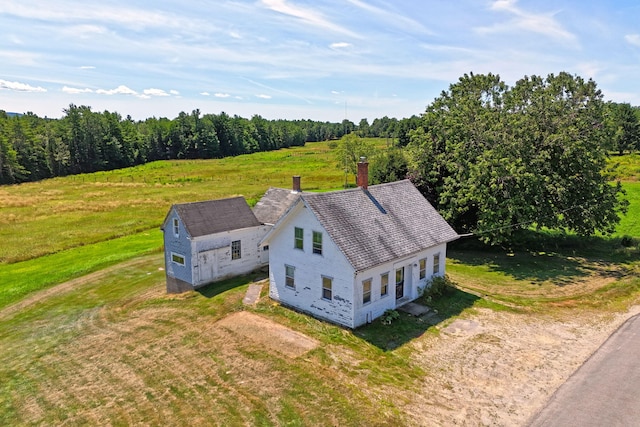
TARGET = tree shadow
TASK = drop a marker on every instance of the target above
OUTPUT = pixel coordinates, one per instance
(408, 327)
(545, 257)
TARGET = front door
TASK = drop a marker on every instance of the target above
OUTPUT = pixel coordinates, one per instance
(399, 282)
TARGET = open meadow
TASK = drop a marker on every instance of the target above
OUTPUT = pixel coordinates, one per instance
(89, 336)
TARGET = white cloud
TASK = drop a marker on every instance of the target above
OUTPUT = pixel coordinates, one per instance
(85, 31)
(20, 87)
(633, 39)
(174, 92)
(339, 45)
(87, 67)
(75, 90)
(263, 96)
(222, 95)
(235, 35)
(205, 93)
(154, 92)
(392, 18)
(120, 90)
(544, 24)
(309, 16)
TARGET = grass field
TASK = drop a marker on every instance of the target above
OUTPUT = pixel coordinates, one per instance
(107, 346)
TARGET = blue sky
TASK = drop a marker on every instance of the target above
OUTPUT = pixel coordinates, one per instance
(322, 60)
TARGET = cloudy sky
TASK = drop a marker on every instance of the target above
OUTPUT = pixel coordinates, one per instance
(320, 59)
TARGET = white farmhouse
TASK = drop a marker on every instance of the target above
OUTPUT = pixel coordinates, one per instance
(347, 256)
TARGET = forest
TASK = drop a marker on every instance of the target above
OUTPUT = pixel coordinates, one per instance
(83, 141)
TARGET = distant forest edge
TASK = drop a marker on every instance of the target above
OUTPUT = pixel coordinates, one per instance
(83, 141)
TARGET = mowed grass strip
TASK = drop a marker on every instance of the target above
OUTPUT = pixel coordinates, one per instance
(23, 278)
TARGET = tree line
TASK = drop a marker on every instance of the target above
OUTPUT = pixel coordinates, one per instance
(82, 141)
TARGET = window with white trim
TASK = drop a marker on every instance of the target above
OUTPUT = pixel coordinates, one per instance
(436, 263)
(366, 291)
(236, 249)
(177, 258)
(289, 276)
(384, 284)
(327, 288)
(298, 239)
(423, 268)
(176, 227)
(317, 242)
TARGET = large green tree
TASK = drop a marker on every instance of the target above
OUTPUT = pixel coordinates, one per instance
(496, 159)
(624, 127)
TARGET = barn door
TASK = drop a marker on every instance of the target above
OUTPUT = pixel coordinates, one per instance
(208, 266)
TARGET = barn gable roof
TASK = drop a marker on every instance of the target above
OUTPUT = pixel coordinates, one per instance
(380, 224)
(216, 216)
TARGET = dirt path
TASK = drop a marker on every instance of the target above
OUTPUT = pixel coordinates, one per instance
(70, 285)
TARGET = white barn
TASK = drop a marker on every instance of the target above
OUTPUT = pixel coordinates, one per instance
(347, 256)
(216, 239)
(209, 241)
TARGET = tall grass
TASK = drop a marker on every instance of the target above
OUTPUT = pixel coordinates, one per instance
(45, 217)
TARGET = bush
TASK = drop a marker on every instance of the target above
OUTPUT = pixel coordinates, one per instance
(438, 286)
(389, 316)
(627, 241)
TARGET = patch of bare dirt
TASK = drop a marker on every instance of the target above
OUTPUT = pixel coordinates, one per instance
(498, 368)
(268, 333)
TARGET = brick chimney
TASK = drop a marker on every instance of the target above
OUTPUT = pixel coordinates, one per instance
(296, 184)
(362, 179)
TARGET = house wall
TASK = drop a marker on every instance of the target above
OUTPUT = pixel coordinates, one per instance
(179, 277)
(309, 270)
(414, 286)
(211, 254)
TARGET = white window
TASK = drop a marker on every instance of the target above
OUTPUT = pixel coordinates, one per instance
(327, 288)
(366, 291)
(289, 280)
(423, 268)
(317, 242)
(236, 250)
(176, 227)
(177, 258)
(384, 284)
(298, 240)
(436, 263)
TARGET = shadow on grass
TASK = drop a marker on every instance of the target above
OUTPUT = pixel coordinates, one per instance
(216, 288)
(407, 327)
(545, 256)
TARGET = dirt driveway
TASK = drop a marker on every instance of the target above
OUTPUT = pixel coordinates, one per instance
(497, 368)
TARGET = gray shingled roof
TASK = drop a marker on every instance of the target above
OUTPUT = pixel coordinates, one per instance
(387, 222)
(273, 204)
(215, 216)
